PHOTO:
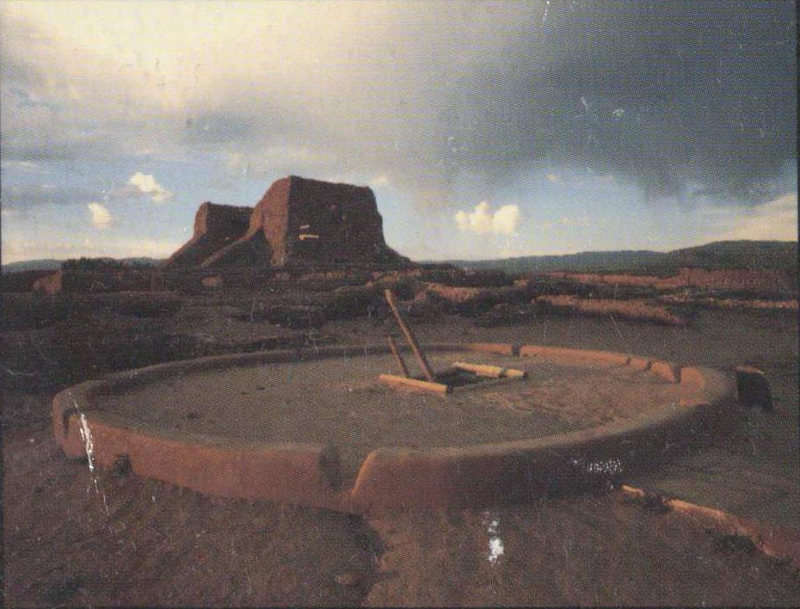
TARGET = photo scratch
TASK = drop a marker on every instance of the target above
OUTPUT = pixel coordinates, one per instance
(496, 547)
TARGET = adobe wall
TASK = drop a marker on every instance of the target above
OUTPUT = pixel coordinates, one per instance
(774, 541)
(78, 282)
(396, 478)
(215, 226)
(271, 217)
(335, 223)
(767, 281)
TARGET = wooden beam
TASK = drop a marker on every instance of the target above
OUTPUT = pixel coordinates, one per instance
(513, 373)
(494, 372)
(397, 355)
(401, 382)
(423, 363)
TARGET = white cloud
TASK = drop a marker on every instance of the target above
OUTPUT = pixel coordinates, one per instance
(483, 221)
(776, 219)
(22, 165)
(479, 221)
(505, 220)
(101, 217)
(146, 184)
(379, 180)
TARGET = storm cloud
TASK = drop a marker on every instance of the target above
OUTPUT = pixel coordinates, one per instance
(681, 97)
(673, 122)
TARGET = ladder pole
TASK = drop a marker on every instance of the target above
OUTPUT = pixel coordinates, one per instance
(426, 369)
(397, 355)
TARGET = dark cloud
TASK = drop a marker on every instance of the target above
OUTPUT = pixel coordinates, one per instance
(682, 97)
(665, 92)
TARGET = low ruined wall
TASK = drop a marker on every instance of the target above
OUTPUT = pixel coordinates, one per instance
(631, 309)
(82, 282)
(762, 281)
(396, 478)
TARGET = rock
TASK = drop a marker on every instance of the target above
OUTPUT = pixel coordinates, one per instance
(215, 226)
(308, 221)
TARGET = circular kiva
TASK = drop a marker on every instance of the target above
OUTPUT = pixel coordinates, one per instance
(316, 426)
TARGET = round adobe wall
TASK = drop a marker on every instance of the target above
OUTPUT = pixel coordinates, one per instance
(393, 478)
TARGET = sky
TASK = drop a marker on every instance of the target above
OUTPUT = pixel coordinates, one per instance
(485, 129)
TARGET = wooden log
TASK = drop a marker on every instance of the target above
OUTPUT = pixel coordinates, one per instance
(491, 371)
(401, 382)
(494, 372)
(397, 355)
(423, 363)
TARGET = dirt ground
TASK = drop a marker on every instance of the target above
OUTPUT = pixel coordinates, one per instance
(72, 537)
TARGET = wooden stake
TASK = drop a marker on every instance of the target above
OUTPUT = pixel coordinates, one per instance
(397, 355)
(423, 363)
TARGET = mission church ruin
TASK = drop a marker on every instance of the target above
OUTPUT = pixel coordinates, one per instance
(298, 221)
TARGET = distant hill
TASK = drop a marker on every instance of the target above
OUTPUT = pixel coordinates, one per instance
(48, 264)
(717, 255)
(45, 264)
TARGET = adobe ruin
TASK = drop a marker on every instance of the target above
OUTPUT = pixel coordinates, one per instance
(215, 226)
(299, 220)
